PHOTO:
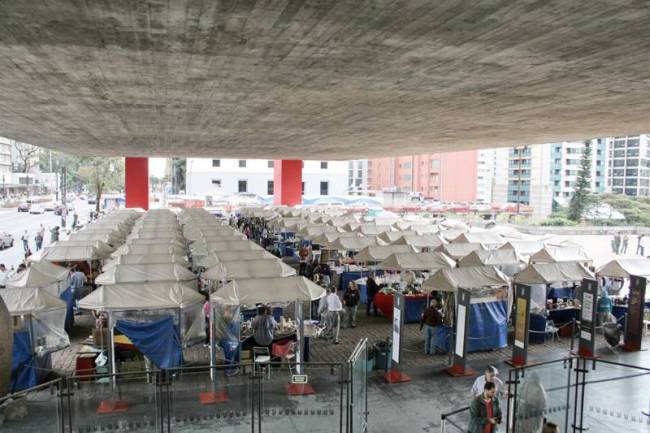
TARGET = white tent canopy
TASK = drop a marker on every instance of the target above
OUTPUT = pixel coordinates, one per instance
(140, 259)
(63, 252)
(377, 253)
(525, 248)
(239, 245)
(393, 236)
(149, 296)
(417, 261)
(490, 258)
(40, 274)
(326, 238)
(110, 237)
(249, 269)
(119, 274)
(549, 273)
(150, 249)
(457, 251)
(626, 267)
(352, 244)
(30, 300)
(485, 238)
(268, 291)
(556, 254)
(214, 258)
(450, 280)
(157, 241)
(420, 241)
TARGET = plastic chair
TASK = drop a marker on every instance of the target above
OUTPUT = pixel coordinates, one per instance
(552, 330)
(262, 358)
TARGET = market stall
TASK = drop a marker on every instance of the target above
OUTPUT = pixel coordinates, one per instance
(488, 239)
(148, 273)
(38, 324)
(559, 254)
(427, 242)
(552, 294)
(40, 275)
(226, 302)
(226, 271)
(507, 261)
(159, 318)
(458, 251)
(618, 273)
(490, 295)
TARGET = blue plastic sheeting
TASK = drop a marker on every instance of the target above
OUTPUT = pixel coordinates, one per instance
(413, 309)
(159, 341)
(346, 277)
(537, 328)
(560, 292)
(488, 328)
(68, 297)
(23, 371)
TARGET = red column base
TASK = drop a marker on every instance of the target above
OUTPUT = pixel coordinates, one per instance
(630, 347)
(460, 371)
(299, 389)
(213, 397)
(112, 406)
(394, 376)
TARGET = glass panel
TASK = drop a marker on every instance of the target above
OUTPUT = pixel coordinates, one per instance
(543, 392)
(615, 397)
(314, 413)
(359, 398)
(38, 410)
(132, 404)
(199, 403)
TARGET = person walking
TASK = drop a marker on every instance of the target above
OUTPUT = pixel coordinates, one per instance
(640, 249)
(54, 234)
(484, 411)
(75, 220)
(616, 243)
(373, 289)
(25, 239)
(626, 239)
(604, 307)
(490, 376)
(431, 319)
(334, 309)
(38, 239)
(3, 275)
(351, 303)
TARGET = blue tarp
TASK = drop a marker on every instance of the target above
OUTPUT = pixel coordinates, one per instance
(488, 327)
(67, 297)
(560, 292)
(159, 341)
(23, 371)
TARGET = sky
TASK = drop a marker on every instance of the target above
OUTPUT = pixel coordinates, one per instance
(157, 166)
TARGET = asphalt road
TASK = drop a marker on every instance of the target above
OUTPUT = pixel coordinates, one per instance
(16, 223)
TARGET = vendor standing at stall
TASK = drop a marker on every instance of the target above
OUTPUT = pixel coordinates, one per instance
(264, 327)
(372, 288)
(604, 308)
(351, 303)
(431, 319)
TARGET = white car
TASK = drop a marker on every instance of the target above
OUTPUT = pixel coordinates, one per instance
(6, 240)
(35, 209)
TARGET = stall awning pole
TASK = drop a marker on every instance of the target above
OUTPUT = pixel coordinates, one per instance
(299, 336)
(112, 348)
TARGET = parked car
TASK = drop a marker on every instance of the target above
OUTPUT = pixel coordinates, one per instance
(92, 201)
(49, 207)
(23, 207)
(36, 209)
(6, 240)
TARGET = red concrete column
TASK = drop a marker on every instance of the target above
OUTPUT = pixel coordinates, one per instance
(287, 182)
(136, 182)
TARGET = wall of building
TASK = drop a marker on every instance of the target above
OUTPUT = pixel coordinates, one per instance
(205, 178)
(628, 165)
(458, 172)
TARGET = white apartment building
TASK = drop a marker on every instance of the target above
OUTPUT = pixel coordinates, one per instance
(357, 176)
(628, 165)
(485, 171)
(5, 155)
(219, 177)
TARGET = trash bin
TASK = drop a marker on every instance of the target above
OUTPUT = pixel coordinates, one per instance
(383, 354)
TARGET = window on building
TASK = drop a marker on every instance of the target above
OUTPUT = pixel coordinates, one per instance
(617, 190)
(619, 163)
(357, 182)
(631, 172)
(216, 163)
(567, 193)
(216, 182)
(269, 187)
(618, 172)
(617, 182)
(597, 184)
(630, 182)
(242, 186)
(270, 164)
(406, 178)
(643, 192)
(242, 163)
(557, 193)
(435, 164)
(406, 165)
(302, 191)
(360, 173)
(619, 153)
(630, 191)
(632, 162)
(633, 142)
(556, 183)
(323, 165)
(557, 171)
(324, 188)
(597, 173)
(558, 160)
(567, 183)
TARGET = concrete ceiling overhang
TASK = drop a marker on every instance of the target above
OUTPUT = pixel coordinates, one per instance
(319, 79)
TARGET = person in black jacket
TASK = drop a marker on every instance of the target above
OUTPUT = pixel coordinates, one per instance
(484, 411)
(373, 289)
(350, 305)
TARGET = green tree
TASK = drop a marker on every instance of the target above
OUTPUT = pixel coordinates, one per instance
(102, 175)
(580, 199)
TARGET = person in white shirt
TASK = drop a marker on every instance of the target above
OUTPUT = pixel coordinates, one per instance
(3, 275)
(334, 309)
(490, 375)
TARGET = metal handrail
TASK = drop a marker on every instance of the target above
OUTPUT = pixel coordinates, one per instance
(444, 420)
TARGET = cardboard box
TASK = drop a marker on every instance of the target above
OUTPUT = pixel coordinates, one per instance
(245, 355)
